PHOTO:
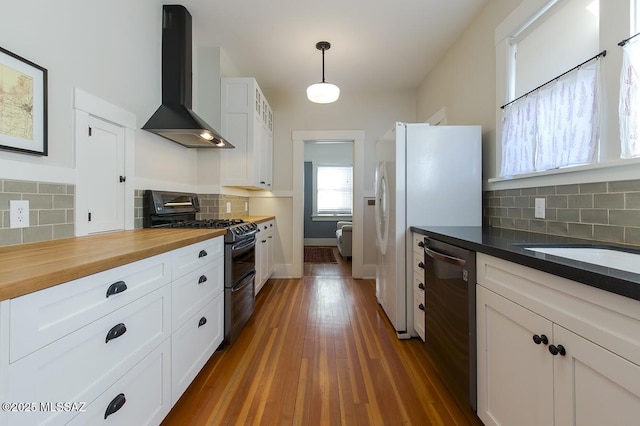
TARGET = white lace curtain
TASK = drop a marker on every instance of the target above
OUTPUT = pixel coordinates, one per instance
(629, 108)
(556, 126)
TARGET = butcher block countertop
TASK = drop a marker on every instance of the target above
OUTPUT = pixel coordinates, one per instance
(257, 219)
(26, 268)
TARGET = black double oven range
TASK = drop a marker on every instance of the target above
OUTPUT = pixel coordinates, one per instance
(164, 209)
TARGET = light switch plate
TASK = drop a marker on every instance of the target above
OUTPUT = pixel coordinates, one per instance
(228, 206)
(18, 213)
(539, 208)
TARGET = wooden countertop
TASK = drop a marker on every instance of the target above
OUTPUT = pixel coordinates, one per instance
(257, 219)
(26, 268)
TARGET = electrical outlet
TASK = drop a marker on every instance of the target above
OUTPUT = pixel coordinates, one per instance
(539, 208)
(246, 206)
(18, 213)
(228, 206)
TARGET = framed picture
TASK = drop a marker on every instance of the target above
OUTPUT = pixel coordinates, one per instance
(23, 105)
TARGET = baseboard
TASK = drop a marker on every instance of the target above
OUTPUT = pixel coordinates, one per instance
(320, 242)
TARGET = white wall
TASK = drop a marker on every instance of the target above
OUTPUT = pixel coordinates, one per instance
(373, 112)
(464, 79)
(109, 49)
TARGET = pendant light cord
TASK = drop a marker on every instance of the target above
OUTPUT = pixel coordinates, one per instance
(323, 64)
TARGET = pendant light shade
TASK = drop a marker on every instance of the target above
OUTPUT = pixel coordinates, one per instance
(323, 92)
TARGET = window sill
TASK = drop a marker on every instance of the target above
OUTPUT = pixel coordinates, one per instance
(624, 169)
(329, 217)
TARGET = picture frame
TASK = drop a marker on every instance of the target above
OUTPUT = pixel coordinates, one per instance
(23, 105)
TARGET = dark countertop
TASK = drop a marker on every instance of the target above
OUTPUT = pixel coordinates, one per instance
(509, 245)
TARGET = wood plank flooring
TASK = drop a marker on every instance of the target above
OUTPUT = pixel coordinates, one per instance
(319, 351)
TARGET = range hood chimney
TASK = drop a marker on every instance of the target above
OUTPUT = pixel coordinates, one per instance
(174, 119)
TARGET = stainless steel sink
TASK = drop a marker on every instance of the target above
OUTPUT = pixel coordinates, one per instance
(608, 257)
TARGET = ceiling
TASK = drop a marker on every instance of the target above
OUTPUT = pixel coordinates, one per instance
(375, 45)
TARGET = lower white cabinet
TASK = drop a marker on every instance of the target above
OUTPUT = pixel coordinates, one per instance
(552, 351)
(120, 346)
(193, 344)
(418, 285)
(265, 240)
(141, 397)
(80, 366)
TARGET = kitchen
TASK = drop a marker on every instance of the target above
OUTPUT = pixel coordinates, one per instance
(131, 55)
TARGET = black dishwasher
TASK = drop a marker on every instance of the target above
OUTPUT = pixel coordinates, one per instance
(450, 316)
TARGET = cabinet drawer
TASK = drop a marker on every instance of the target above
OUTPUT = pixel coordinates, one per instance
(418, 241)
(418, 259)
(418, 321)
(146, 390)
(188, 258)
(418, 281)
(40, 318)
(194, 290)
(83, 364)
(193, 344)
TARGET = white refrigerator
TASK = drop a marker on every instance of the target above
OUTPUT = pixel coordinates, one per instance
(425, 176)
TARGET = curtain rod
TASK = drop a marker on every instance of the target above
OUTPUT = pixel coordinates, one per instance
(601, 54)
(627, 40)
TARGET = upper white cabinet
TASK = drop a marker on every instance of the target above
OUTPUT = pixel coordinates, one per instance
(553, 351)
(247, 122)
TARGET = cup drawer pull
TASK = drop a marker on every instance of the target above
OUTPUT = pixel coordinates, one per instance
(115, 332)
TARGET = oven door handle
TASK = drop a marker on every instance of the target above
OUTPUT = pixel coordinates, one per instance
(244, 244)
(444, 257)
(248, 279)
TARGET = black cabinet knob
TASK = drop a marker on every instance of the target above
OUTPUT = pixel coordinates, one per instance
(421, 286)
(202, 253)
(421, 307)
(555, 350)
(421, 244)
(115, 332)
(115, 405)
(540, 339)
(117, 287)
(202, 279)
(421, 265)
(202, 322)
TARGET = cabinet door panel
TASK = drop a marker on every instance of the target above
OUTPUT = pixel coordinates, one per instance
(515, 376)
(40, 318)
(193, 344)
(594, 386)
(146, 390)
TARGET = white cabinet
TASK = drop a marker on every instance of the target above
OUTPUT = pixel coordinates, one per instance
(141, 397)
(418, 285)
(247, 122)
(197, 310)
(522, 316)
(265, 239)
(193, 344)
(131, 338)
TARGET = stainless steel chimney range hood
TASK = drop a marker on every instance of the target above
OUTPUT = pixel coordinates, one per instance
(174, 119)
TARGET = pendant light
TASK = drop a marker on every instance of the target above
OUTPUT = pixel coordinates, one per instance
(323, 92)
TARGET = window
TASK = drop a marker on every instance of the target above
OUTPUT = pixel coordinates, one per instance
(629, 111)
(333, 190)
(557, 125)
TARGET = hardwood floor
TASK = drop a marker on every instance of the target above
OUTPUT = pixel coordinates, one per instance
(319, 351)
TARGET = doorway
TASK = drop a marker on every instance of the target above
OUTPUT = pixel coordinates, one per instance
(356, 137)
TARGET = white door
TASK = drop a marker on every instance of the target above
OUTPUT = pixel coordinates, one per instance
(101, 173)
(515, 375)
(592, 385)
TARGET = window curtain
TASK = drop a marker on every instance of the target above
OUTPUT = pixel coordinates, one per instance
(629, 108)
(554, 127)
